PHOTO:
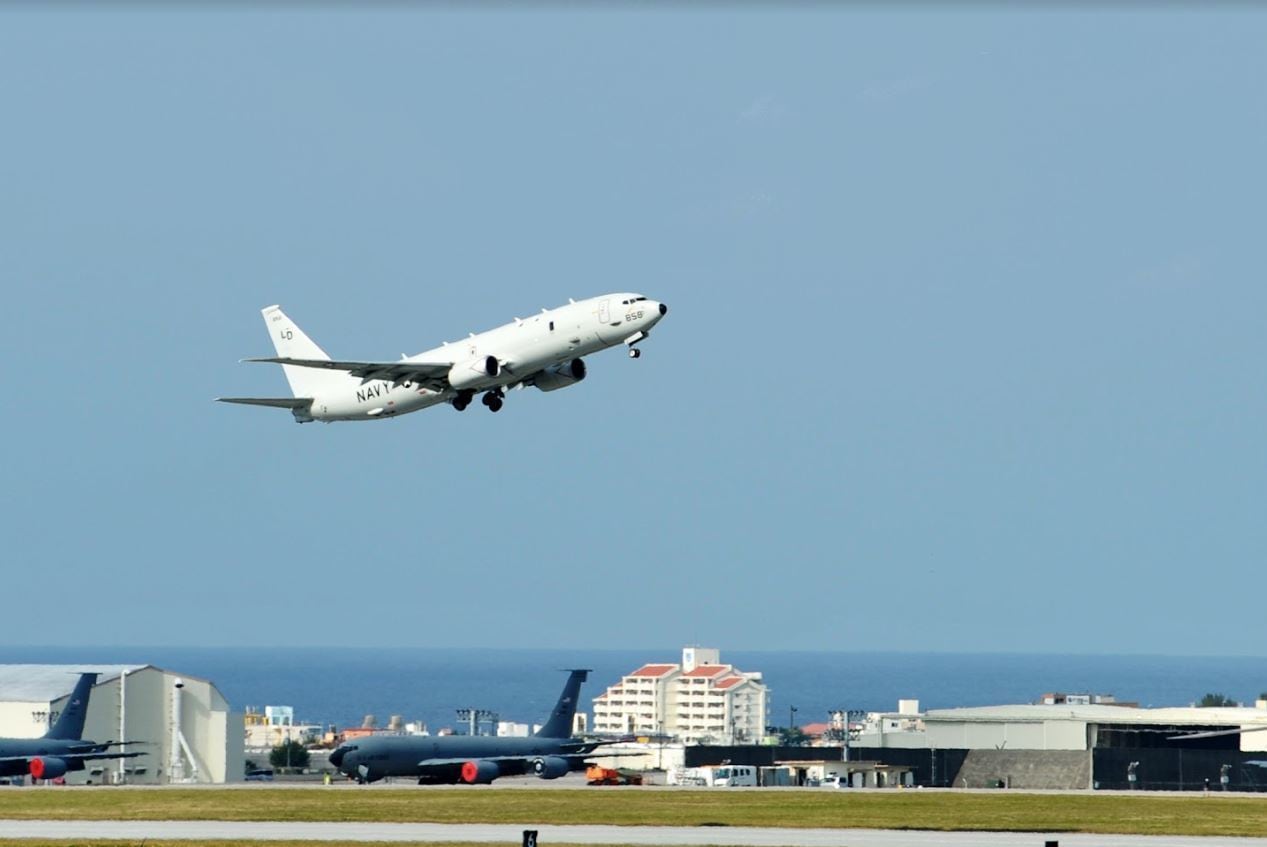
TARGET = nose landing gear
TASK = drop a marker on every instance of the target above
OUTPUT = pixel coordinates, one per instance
(634, 352)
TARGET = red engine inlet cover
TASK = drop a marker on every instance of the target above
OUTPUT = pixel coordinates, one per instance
(37, 768)
(470, 771)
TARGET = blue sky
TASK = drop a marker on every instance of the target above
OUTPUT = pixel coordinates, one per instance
(965, 348)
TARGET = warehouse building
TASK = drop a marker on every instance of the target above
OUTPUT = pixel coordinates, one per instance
(182, 724)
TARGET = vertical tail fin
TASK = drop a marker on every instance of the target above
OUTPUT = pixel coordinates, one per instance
(70, 723)
(560, 723)
(292, 342)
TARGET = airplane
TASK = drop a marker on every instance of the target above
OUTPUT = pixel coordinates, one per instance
(546, 351)
(472, 759)
(62, 748)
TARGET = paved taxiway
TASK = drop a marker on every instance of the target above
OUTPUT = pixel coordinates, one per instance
(640, 835)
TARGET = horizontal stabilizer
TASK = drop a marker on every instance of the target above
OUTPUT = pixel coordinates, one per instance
(275, 402)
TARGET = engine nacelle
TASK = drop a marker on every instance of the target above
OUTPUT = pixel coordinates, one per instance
(480, 772)
(45, 767)
(550, 767)
(475, 373)
(560, 376)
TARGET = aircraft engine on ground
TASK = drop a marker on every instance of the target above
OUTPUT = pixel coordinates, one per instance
(560, 376)
(480, 773)
(475, 372)
(45, 767)
(550, 767)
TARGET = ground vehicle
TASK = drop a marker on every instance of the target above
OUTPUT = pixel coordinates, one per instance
(734, 776)
(594, 775)
(259, 775)
(835, 780)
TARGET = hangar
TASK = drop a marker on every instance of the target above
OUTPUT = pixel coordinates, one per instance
(1082, 745)
(182, 723)
(1085, 727)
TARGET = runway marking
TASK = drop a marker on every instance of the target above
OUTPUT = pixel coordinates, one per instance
(635, 835)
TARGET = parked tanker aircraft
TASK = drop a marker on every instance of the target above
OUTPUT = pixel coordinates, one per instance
(546, 351)
(549, 754)
(62, 748)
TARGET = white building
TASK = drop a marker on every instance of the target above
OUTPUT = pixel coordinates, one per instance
(187, 733)
(699, 700)
(275, 726)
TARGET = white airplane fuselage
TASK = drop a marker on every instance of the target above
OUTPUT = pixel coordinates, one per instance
(524, 349)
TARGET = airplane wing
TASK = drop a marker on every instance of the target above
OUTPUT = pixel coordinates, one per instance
(70, 756)
(520, 757)
(390, 371)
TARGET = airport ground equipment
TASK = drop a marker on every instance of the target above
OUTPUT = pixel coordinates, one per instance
(595, 775)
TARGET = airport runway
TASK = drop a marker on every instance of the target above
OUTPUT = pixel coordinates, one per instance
(640, 835)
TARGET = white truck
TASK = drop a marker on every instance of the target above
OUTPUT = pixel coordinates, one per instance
(716, 776)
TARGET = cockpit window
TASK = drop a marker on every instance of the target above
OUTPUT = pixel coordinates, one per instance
(637, 299)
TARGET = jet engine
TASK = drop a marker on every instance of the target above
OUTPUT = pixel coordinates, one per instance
(550, 767)
(474, 373)
(47, 768)
(480, 772)
(560, 376)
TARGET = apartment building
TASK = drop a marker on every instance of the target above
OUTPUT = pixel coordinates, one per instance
(699, 700)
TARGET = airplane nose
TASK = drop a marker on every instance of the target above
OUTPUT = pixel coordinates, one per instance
(336, 757)
(664, 310)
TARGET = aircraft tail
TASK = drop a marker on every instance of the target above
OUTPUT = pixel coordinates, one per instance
(560, 723)
(291, 341)
(70, 723)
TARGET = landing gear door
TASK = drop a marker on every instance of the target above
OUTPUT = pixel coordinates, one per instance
(604, 313)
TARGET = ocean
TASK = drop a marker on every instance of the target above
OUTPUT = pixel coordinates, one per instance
(341, 685)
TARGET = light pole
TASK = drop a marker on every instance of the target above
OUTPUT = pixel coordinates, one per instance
(791, 721)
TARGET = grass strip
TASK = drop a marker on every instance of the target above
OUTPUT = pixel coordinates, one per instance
(918, 810)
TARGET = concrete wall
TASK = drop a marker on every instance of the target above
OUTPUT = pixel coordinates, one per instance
(1030, 769)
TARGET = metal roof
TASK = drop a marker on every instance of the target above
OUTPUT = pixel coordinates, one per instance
(1102, 714)
(45, 683)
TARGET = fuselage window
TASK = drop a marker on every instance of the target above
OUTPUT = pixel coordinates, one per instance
(552, 326)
